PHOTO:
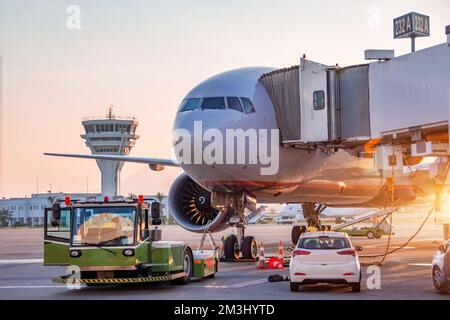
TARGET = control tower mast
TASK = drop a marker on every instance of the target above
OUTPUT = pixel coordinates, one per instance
(112, 135)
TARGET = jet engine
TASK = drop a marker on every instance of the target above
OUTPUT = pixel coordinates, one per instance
(190, 206)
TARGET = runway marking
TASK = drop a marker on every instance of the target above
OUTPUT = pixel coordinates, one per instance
(21, 261)
(235, 285)
(230, 286)
(30, 287)
(420, 264)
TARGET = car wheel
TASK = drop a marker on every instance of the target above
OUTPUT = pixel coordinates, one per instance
(370, 235)
(441, 286)
(231, 248)
(249, 248)
(294, 286)
(187, 267)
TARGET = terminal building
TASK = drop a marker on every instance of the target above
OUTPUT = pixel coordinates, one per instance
(111, 135)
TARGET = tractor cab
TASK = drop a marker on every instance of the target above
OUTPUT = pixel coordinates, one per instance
(78, 227)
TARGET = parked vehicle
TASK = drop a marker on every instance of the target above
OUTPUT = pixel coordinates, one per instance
(325, 257)
(369, 232)
(440, 268)
(114, 242)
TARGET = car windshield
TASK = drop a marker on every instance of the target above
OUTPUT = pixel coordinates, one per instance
(324, 243)
(103, 226)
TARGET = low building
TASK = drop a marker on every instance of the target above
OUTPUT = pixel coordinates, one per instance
(29, 211)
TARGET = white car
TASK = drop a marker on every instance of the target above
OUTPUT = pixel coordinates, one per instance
(440, 268)
(325, 257)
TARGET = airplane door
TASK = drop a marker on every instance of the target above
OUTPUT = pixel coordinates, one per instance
(313, 101)
(56, 237)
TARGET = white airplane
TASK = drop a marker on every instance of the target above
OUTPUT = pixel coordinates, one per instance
(214, 195)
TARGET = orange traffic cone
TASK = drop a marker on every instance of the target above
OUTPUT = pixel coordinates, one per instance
(280, 253)
(261, 264)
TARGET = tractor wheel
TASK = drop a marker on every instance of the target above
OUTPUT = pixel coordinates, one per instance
(188, 267)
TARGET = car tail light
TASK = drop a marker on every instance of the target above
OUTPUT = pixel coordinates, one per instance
(348, 274)
(300, 274)
(350, 252)
(300, 253)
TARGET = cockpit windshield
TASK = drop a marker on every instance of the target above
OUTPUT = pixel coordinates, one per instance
(190, 104)
(240, 104)
(105, 226)
(213, 103)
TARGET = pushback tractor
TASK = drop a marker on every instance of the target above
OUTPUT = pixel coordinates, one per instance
(115, 242)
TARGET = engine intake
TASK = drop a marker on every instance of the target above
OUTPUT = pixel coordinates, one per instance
(190, 206)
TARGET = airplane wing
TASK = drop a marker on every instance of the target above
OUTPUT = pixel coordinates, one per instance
(154, 163)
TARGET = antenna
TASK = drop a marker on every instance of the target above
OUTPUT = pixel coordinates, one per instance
(110, 114)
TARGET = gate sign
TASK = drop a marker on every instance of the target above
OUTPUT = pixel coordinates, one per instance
(412, 25)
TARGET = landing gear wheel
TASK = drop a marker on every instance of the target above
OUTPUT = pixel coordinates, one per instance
(294, 286)
(249, 248)
(439, 284)
(231, 248)
(295, 234)
(370, 235)
(188, 267)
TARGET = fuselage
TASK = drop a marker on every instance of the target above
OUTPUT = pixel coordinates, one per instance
(333, 178)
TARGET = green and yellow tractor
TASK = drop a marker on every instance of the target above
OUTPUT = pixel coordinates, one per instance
(113, 242)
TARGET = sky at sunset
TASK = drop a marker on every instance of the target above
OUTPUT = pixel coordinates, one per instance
(143, 57)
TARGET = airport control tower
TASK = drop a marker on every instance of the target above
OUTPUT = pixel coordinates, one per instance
(112, 135)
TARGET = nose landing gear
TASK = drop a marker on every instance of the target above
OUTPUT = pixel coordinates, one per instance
(240, 247)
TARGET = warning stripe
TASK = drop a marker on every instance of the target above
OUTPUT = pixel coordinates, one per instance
(129, 280)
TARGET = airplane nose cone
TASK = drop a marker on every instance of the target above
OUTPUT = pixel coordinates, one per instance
(187, 120)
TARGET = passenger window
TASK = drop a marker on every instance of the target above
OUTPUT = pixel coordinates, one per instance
(319, 100)
(190, 104)
(213, 103)
(234, 103)
(248, 105)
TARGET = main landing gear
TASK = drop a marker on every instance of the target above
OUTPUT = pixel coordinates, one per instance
(311, 213)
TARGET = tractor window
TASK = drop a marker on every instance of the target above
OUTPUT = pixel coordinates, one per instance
(105, 226)
(57, 230)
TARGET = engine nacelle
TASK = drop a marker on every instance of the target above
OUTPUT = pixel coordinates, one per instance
(190, 206)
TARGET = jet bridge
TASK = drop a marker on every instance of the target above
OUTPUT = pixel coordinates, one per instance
(406, 99)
